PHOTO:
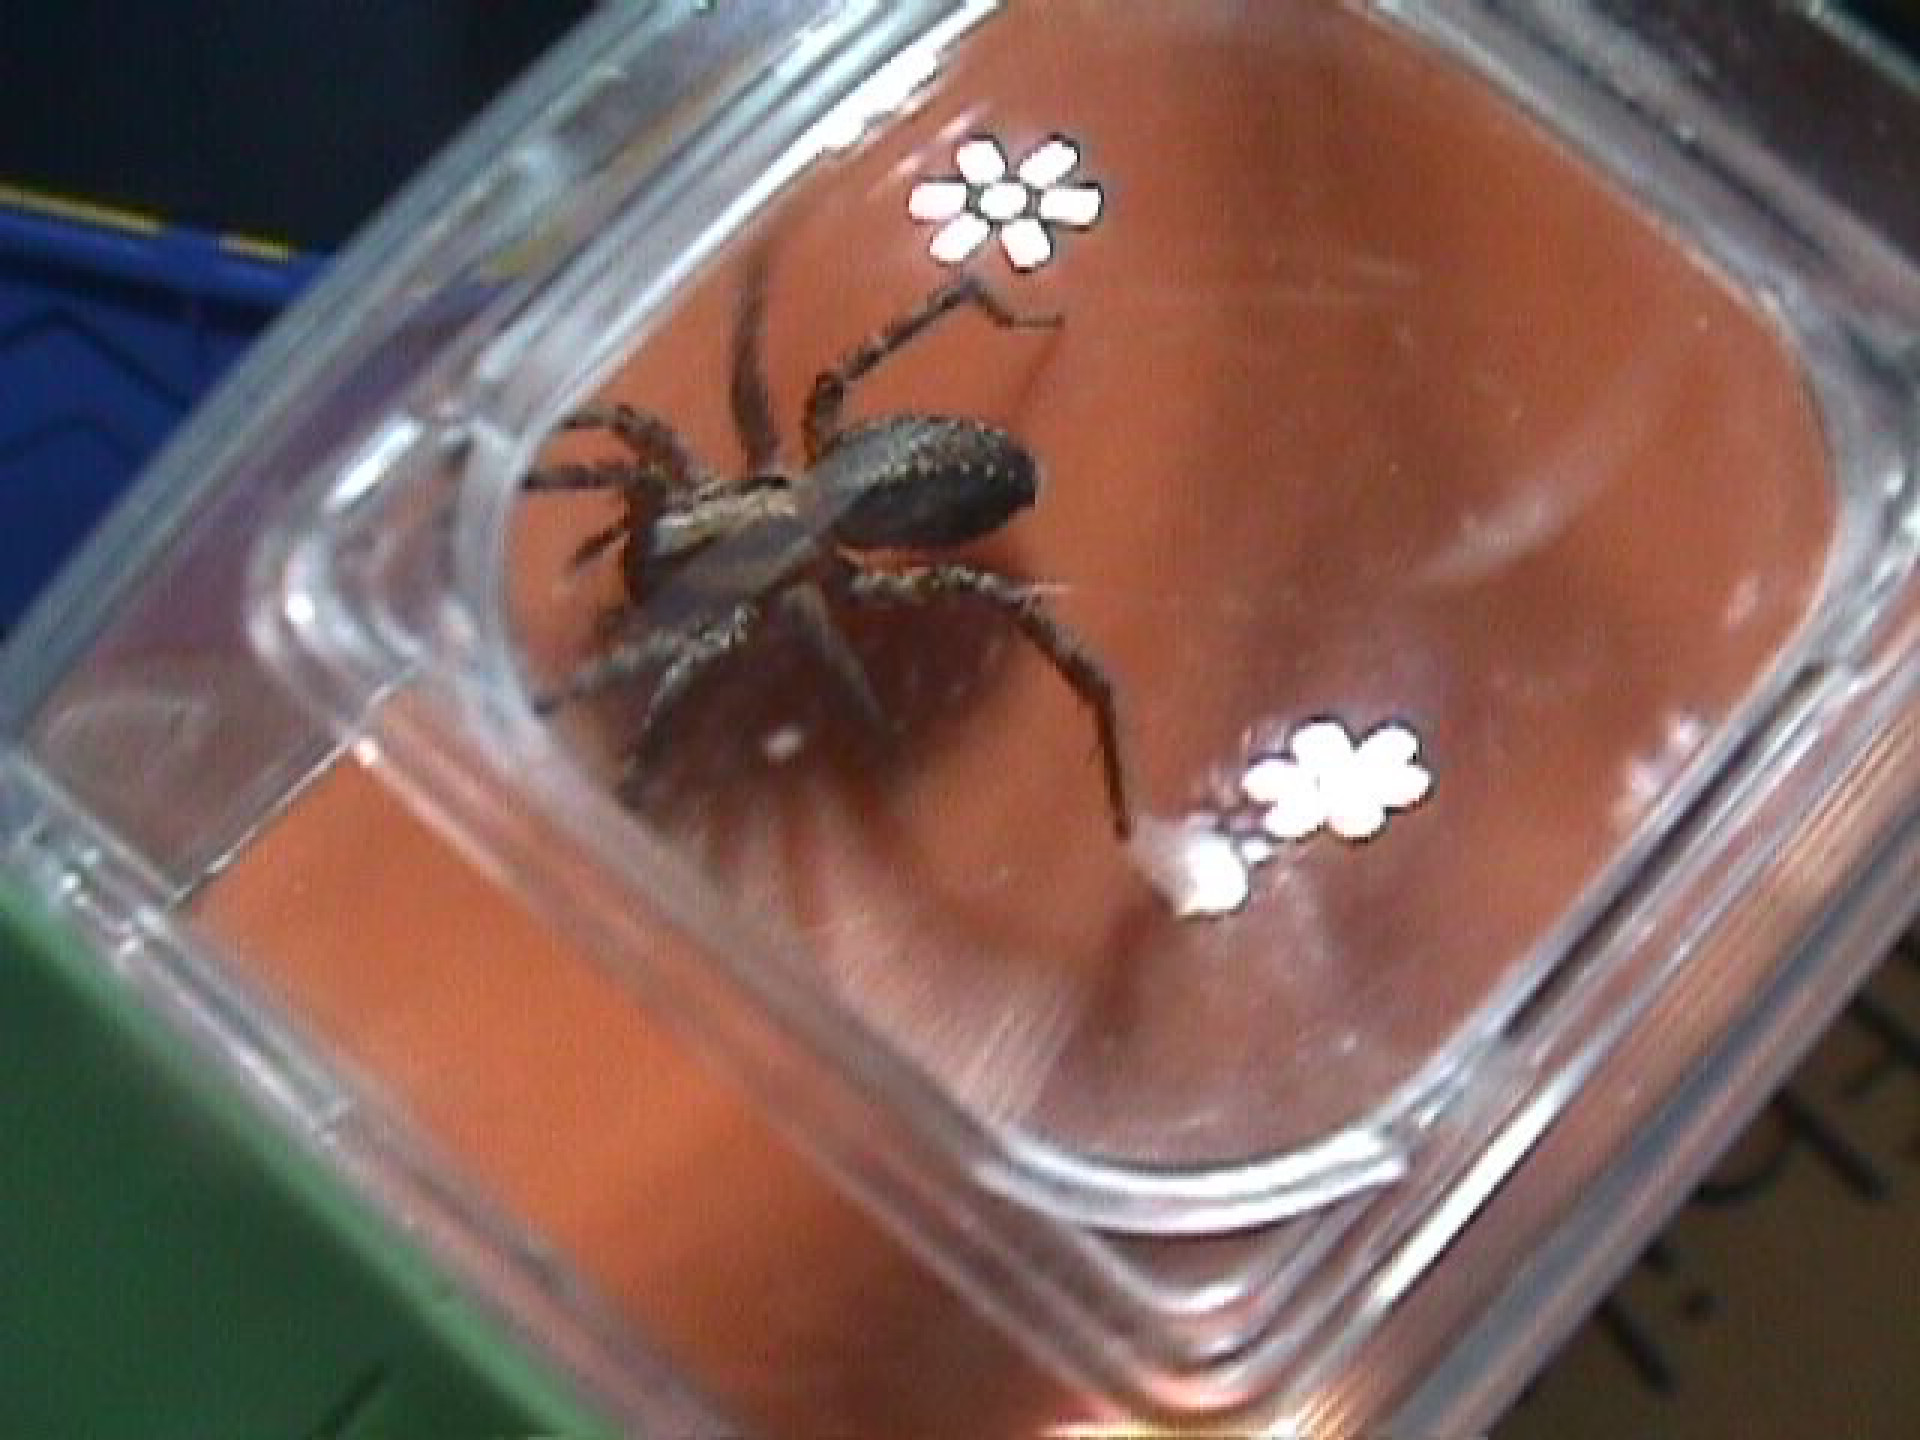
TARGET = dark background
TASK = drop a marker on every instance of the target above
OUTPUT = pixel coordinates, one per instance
(1898, 20)
(290, 120)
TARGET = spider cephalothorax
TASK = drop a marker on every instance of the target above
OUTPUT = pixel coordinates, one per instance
(707, 559)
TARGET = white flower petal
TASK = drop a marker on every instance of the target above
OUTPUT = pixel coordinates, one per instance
(1295, 818)
(933, 200)
(1049, 164)
(1322, 746)
(1295, 806)
(1075, 205)
(1353, 814)
(1389, 746)
(1270, 779)
(1003, 200)
(1401, 786)
(980, 161)
(1026, 244)
(959, 238)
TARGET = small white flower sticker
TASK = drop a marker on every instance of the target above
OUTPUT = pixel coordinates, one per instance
(1203, 864)
(1022, 205)
(1325, 780)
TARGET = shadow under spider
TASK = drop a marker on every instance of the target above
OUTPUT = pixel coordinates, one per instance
(764, 738)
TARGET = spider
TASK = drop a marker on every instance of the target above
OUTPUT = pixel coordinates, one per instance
(706, 559)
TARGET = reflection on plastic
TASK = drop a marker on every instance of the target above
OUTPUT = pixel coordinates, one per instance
(896, 86)
(1194, 864)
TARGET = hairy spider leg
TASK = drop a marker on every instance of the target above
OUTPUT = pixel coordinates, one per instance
(1022, 605)
(651, 439)
(591, 548)
(595, 475)
(693, 655)
(657, 449)
(661, 470)
(807, 605)
(645, 483)
(831, 388)
(630, 657)
(752, 402)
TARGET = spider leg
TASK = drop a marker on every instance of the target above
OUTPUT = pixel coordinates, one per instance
(752, 403)
(830, 389)
(660, 472)
(671, 538)
(808, 607)
(1022, 605)
(656, 445)
(633, 656)
(661, 468)
(693, 656)
(595, 475)
(636, 482)
(591, 548)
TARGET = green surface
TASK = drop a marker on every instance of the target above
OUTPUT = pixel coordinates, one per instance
(171, 1266)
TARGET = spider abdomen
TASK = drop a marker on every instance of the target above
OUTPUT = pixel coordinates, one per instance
(921, 482)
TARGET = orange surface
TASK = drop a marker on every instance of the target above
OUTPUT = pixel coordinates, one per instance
(568, 1105)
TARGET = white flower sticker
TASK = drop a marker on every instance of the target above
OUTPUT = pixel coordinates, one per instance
(1203, 864)
(1022, 204)
(1327, 781)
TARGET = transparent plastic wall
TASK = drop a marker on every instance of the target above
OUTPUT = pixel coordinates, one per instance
(1170, 632)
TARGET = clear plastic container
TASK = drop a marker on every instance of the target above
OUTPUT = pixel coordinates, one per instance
(1421, 565)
